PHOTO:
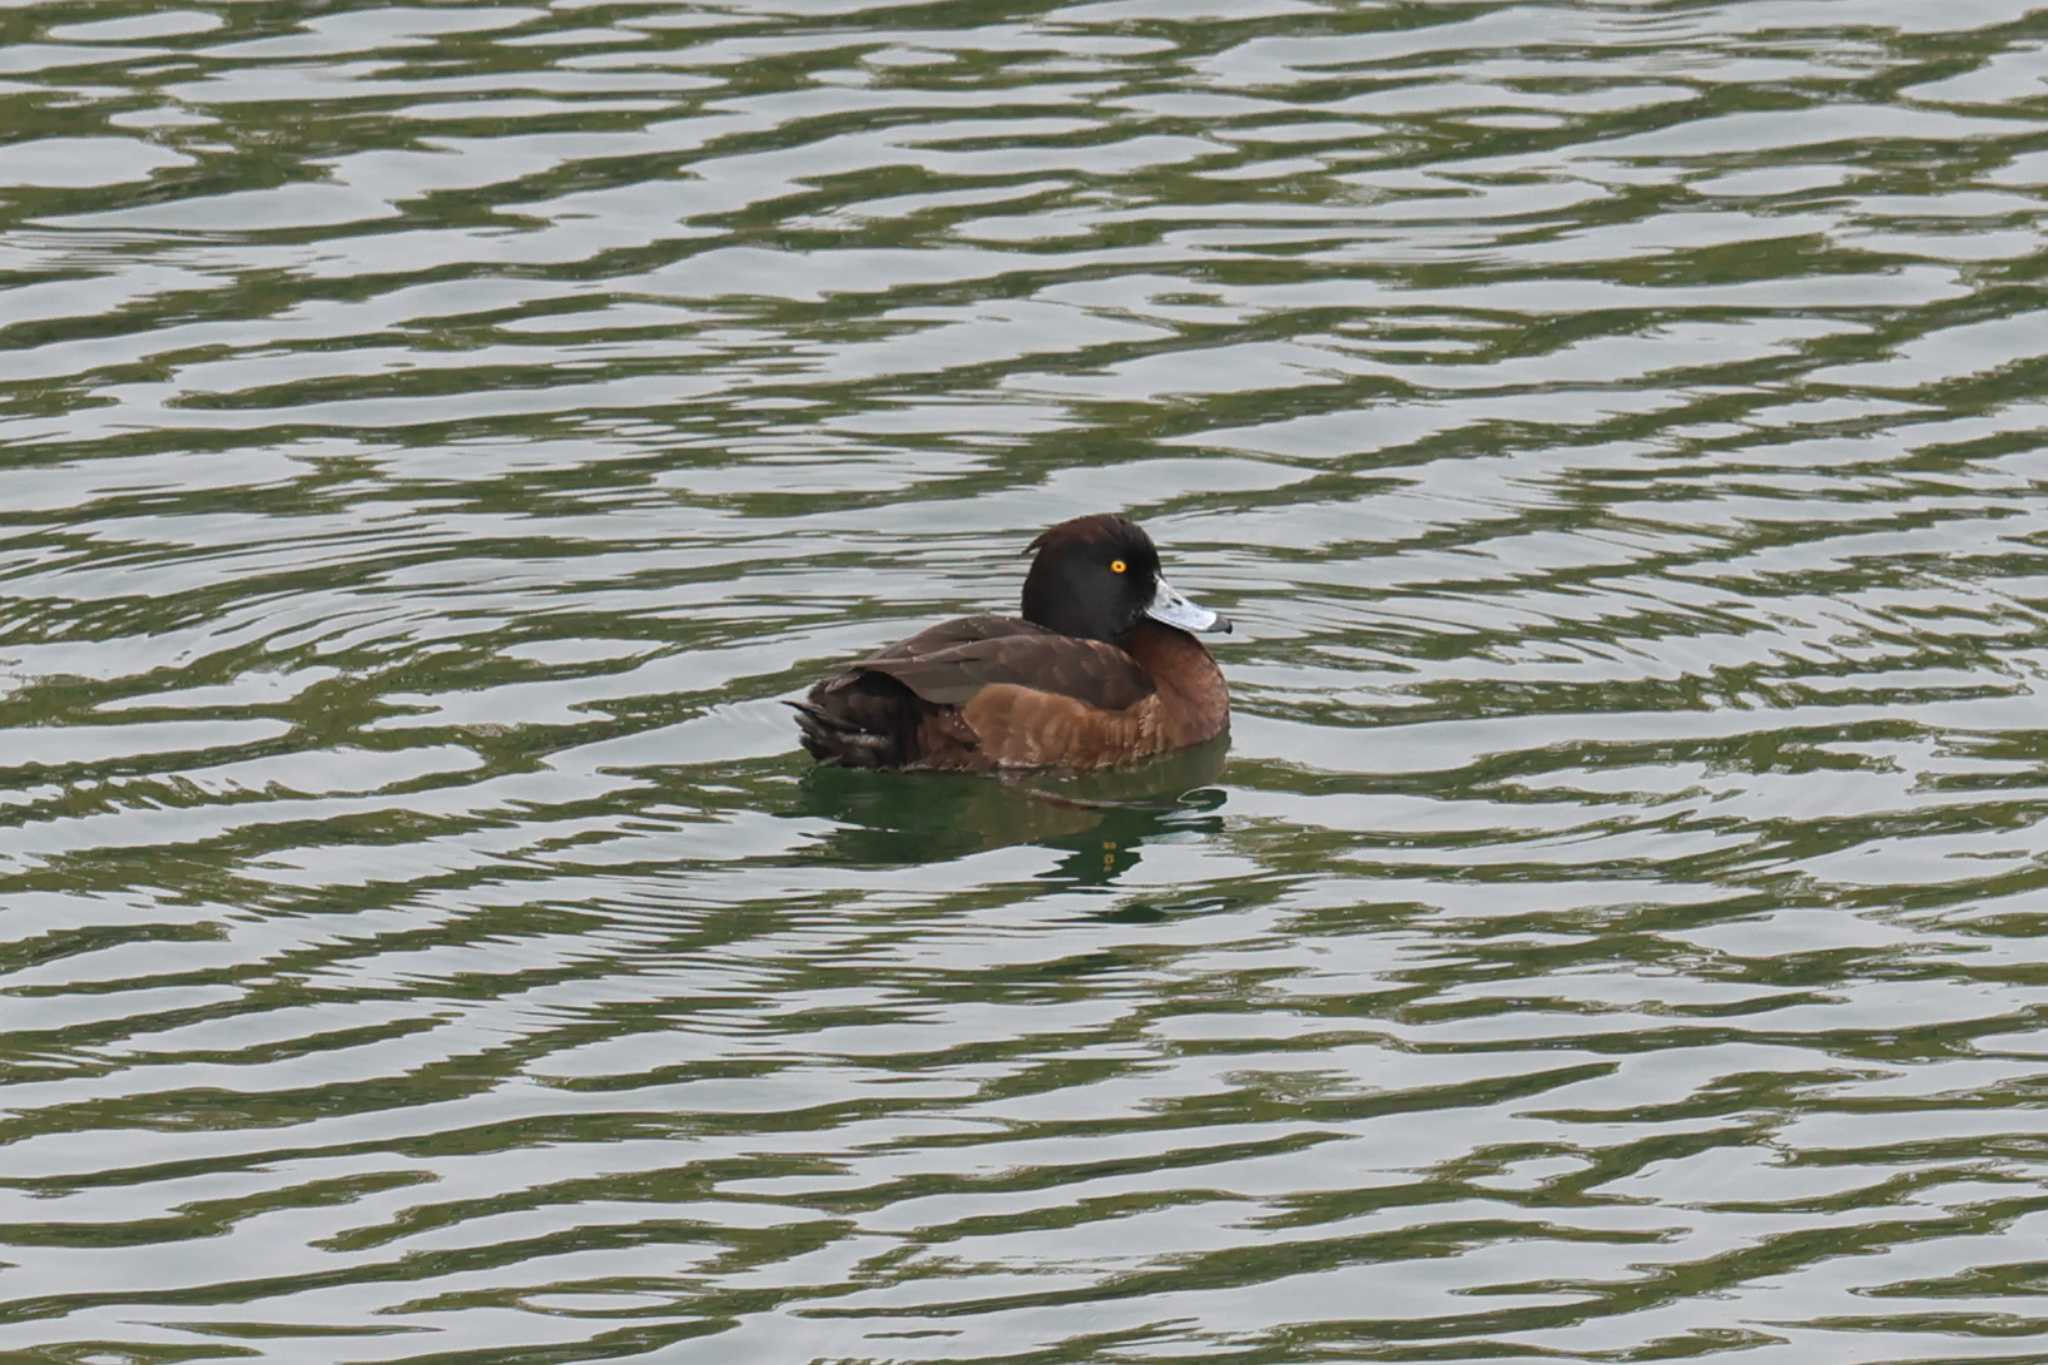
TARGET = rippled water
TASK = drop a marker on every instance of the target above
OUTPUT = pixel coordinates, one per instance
(436, 437)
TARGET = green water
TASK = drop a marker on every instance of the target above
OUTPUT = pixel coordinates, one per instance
(437, 438)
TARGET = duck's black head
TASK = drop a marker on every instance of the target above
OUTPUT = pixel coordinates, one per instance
(1097, 577)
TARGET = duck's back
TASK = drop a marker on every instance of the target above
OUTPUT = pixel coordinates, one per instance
(981, 692)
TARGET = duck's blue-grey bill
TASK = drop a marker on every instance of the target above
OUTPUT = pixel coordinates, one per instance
(1169, 606)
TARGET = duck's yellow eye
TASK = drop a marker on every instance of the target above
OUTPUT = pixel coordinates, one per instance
(1117, 566)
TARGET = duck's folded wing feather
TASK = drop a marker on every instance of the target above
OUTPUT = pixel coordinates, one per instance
(962, 630)
(951, 662)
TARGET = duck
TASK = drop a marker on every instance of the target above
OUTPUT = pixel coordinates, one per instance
(1102, 668)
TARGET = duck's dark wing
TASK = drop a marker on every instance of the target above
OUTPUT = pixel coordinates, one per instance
(952, 661)
(961, 630)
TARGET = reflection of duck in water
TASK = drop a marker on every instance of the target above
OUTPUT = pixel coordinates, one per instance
(1102, 818)
(1100, 670)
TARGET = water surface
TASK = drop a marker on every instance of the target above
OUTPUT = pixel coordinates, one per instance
(437, 437)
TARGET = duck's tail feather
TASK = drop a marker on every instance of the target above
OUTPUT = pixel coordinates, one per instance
(842, 742)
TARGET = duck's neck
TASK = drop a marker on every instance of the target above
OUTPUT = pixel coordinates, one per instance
(1187, 677)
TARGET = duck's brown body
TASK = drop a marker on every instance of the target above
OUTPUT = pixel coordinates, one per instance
(984, 692)
(997, 692)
